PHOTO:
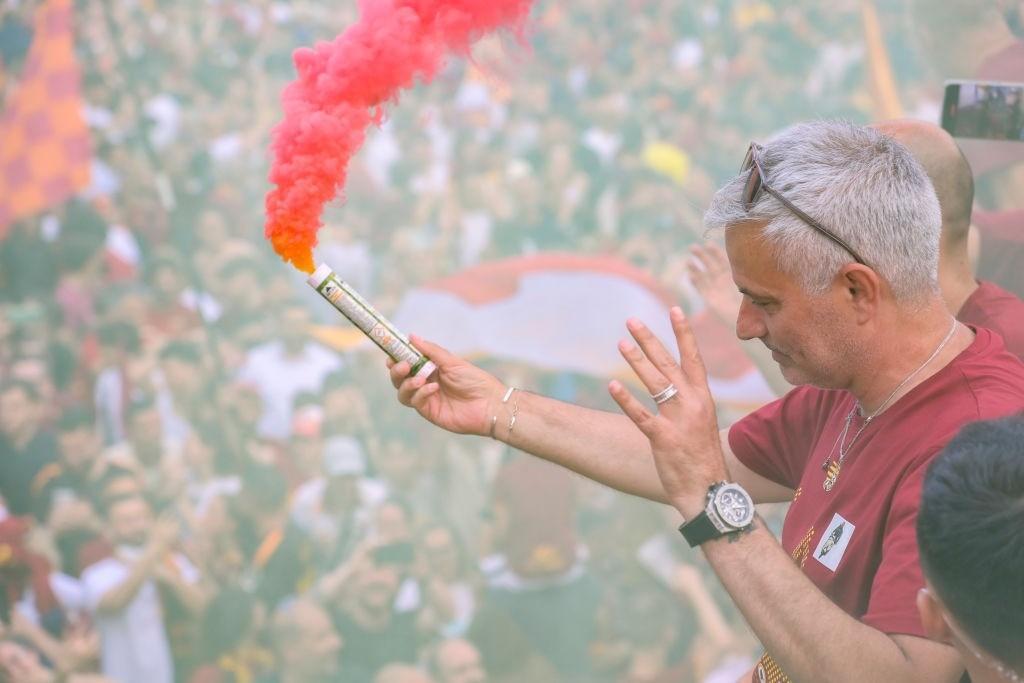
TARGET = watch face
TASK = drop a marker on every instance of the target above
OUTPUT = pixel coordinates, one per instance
(734, 506)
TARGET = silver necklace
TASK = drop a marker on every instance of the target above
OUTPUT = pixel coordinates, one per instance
(832, 467)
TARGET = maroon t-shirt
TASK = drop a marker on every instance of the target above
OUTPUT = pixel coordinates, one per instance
(857, 543)
(1001, 311)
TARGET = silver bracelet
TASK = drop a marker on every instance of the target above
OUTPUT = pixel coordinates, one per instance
(515, 412)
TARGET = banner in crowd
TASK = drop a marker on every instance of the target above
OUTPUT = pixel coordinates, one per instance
(566, 312)
(44, 142)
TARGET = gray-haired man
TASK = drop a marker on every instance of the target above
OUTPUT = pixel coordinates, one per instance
(832, 232)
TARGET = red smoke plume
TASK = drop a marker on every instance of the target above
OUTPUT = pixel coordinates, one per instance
(341, 89)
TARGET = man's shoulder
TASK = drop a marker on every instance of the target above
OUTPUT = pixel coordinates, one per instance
(803, 400)
(987, 363)
(107, 565)
(265, 352)
(1000, 310)
(323, 355)
(990, 299)
(983, 382)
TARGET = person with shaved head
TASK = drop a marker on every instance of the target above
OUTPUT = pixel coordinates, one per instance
(974, 302)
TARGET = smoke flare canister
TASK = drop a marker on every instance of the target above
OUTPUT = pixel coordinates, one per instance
(366, 318)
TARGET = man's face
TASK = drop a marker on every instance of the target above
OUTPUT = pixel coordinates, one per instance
(809, 335)
(459, 662)
(183, 378)
(441, 554)
(79, 447)
(144, 427)
(345, 408)
(167, 282)
(242, 290)
(130, 521)
(315, 650)
(378, 585)
(18, 412)
(294, 328)
(396, 462)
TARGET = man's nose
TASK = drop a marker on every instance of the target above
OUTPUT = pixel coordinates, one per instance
(750, 321)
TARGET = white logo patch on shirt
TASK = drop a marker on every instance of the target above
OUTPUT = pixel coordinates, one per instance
(832, 545)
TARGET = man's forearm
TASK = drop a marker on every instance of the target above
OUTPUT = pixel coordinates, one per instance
(192, 596)
(117, 598)
(602, 446)
(807, 635)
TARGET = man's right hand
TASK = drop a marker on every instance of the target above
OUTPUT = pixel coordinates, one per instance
(709, 272)
(165, 533)
(458, 396)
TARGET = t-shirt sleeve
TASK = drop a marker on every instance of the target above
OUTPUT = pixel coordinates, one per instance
(776, 440)
(892, 606)
(99, 579)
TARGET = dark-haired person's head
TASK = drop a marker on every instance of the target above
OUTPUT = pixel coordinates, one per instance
(344, 402)
(241, 286)
(82, 237)
(119, 336)
(970, 529)
(77, 438)
(163, 273)
(129, 519)
(264, 492)
(19, 410)
(294, 321)
(182, 365)
(376, 580)
(145, 430)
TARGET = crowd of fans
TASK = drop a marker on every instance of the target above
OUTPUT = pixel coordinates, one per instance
(198, 485)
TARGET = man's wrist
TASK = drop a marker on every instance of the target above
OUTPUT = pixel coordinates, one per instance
(494, 413)
(694, 499)
(692, 502)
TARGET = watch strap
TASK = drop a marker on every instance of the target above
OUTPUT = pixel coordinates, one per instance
(699, 529)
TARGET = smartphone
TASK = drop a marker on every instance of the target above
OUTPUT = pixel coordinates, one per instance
(984, 110)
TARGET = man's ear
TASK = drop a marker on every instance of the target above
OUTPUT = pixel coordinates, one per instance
(862, 288)
(933, 617)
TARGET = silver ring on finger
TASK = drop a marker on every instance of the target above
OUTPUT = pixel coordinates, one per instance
(665, 394)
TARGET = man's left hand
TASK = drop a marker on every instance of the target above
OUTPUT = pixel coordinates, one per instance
(683, 430)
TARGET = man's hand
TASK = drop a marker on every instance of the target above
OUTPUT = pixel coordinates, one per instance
(459, 396)
(710, 274)
(166, 531)
(683, 432)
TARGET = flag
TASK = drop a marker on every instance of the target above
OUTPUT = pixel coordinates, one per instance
(567, 312)
(884, 92)
(44, 142)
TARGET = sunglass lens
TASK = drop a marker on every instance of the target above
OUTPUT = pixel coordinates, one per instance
(752, 187)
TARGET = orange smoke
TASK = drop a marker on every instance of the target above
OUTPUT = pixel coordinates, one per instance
(342, 88)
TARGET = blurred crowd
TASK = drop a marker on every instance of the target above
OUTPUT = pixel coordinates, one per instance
(200, 484)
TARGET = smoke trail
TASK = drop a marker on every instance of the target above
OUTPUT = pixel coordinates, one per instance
(342, 88)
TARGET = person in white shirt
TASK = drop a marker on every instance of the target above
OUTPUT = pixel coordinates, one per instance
(286, 367)
(122, 592)
(336, 509)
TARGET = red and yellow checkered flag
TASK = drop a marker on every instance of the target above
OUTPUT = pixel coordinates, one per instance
(44, 142)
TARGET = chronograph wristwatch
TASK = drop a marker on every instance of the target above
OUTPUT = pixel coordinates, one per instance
(729, 509)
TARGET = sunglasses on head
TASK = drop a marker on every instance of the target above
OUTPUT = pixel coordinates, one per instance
(755, 184)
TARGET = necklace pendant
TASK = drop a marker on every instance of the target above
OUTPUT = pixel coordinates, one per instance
(831, 476)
